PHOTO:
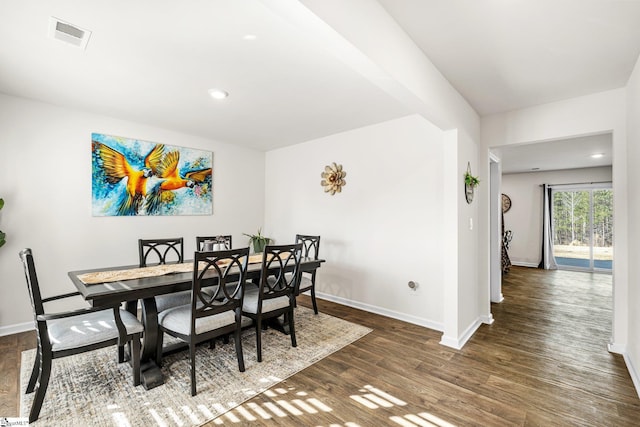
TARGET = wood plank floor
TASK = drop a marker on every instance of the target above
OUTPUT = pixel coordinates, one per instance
(544, 361)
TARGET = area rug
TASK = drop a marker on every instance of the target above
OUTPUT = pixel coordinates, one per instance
(91, 389)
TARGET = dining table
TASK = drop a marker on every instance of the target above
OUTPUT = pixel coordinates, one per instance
(131, 283)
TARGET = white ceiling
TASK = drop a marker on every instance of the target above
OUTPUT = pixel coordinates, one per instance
(507, 54)
(152, 61)
(553, 155)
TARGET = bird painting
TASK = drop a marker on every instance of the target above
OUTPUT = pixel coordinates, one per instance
(171, 180)
(116, 167)
(133, 177)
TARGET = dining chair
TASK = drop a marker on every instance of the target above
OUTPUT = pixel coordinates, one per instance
(164, 251)
(67, 333)
(310, 249)
(205, 243)
(275, 294)
(210, 314)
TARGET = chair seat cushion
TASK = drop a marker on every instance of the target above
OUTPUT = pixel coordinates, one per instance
(250, 302)
(305, 281)
(211, 290)
(176, 299)
(178, 319)
(90, 328)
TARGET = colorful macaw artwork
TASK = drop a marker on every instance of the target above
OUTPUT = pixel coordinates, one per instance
(133, 177)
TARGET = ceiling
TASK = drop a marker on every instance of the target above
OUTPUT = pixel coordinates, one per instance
(571, 153)
(153, 61)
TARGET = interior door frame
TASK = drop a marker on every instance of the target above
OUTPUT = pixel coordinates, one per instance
(495, 228)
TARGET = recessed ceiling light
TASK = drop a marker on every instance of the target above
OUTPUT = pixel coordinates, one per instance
(597, 155)
(249, 37)
(218, 93)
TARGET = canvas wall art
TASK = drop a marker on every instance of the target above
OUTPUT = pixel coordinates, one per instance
(133, 177)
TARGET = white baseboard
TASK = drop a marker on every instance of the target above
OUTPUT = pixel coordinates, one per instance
(633, 372)
(453, 342)
(616, 348)
(382, 311)
(15, 329)
(524, 264)
(487, 320)
(459, 342)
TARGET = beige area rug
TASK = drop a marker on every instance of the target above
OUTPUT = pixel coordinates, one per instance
(91, 389)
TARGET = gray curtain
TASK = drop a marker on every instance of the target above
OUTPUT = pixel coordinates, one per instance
(548, 261)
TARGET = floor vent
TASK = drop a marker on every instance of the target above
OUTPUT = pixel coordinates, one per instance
(68, 33)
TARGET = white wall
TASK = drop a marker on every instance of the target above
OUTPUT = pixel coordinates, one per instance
(524, 218)
(388, 58)
(45, 180)
(379, 49)
(633, 134)
(592, 114)
(383, 230)
(473, 294)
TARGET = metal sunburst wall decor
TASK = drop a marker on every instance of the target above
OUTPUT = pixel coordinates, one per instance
(333, 178)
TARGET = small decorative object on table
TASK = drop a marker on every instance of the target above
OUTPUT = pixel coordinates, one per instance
(333, 178)
(258, 241)
(470, 183)
(217, 243)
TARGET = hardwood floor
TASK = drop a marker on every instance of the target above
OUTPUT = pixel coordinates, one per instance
(544, 361)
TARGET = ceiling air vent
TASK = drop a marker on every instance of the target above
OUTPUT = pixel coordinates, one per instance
(68, 33)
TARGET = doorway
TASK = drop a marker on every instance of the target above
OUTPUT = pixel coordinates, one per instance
(583, 227)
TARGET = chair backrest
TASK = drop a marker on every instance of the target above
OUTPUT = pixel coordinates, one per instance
(206, 243)
(160, 251)
(223, 273)
(32, 281)
(310, 245)
(280, 270)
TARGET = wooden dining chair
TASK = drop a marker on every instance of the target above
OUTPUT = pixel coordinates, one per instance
(310, 249)
(160, 251)
(210, 314)
(205, 243)
(275, 294)
(164, 251)
(67, 333)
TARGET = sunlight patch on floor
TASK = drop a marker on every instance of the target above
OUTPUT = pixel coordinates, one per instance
(374, 398)
(300, 404)
(423, 419)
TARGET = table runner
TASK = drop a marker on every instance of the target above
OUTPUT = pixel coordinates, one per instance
(141, 272)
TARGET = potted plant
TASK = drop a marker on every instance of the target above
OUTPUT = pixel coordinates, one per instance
(471, 180)
(2, 235)
(258, 241)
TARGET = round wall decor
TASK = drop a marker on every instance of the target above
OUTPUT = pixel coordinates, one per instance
(333, 178)
(506, 203)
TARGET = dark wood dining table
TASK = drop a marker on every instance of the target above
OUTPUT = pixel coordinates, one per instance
(145, 289)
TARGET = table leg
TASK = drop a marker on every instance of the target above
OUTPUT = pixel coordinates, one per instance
(151, 373)
(280, 323)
